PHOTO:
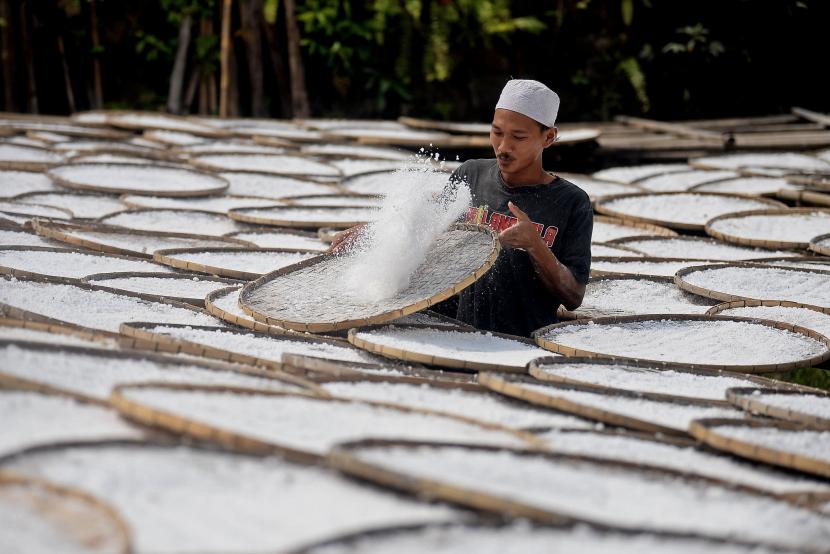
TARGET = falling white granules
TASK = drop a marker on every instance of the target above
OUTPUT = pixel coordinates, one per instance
(21, 182)
(313, 425)
(604, 494)
(803, 317)
(765, 283)
(463, 346)
(86, 206)
(608, 297)
(36, 335)
(596, 188)
(810, 404)
(95, 309)
(682, 180)
(638, 450)
(810, 444)
(640, 379)
(22, 238)
(697, 249)
(681, 208)
(139, 243)
(782, 160)
(138, 177)
(94, 374)
(184, 286)
(174, 221)
(279, 164)
(609, 250)
(73, 264)
(656, 268)
(748, 185)
(484, 406)
(224, 502)
(410, 220)
(214, 204)
(606, 230)
(727, 343)
(264, 347)
(633, 173)
(30, 419)
(282, 239)
(796, 227)
(248, 261)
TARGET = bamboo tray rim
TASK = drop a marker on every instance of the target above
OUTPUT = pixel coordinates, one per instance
(763, 243)
(658, 230)
(167, 256)
(237, 215)
(95, 278)
(251, 323)
(743, 397)
(814, 245)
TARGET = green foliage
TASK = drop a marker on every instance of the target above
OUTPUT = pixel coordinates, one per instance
(809, 376)
(695, 39)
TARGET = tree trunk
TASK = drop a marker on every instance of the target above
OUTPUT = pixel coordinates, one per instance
(174, 96)
(29, 59)
(7, 58)
(226, 47)
(67, 80)
(250, 12)
(276, 55)
(192, 87)
(96, 61)
(299, 94)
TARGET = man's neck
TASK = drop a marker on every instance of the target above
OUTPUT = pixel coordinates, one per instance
(536, 176)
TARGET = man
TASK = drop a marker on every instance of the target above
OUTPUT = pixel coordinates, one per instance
(544, 222)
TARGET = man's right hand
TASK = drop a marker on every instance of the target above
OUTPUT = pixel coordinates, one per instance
(344, 239)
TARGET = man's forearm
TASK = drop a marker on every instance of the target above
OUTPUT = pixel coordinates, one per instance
(556, 277)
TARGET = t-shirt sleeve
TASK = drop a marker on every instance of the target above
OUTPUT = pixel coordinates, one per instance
(576, 250)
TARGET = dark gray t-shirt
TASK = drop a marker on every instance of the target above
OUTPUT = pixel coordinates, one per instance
(511, 297)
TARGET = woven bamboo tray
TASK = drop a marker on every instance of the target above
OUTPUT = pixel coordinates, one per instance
(327, 234)
(281, 216)
(343, 200)
(752, 400)
(821, 245)
(142, 121)
(555, 397)
(173, 258)
(706, 431)
(724, 306)
(632, 229)
(541, 336)
(432, 484)
(735, 252)
(265, 163)
(239, 317)
(59, 331)
(275, 187)
(272, 238)
(682, 281)
(651, 267)
(167, 419)
(763, 243)
(321, 370)
(110, 238)
(357, 337)
(67, 176)
(213, 204)
(792, 162)
(463, 255)
(606, 206)
(34, 158)
(31, 211)
(79, 205)
(340, 151)
(83, 521)
(143, 335)
(105, 279)
(164, 220)
(631, 174)
(62, 259)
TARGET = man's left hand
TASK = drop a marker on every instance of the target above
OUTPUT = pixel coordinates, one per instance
(523, 234)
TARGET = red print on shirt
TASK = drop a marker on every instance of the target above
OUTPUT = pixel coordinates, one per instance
(499, 222)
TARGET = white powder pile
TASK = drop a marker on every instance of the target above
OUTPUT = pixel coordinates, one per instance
(33, 209)
(137, 177)
(95, 374)
(820, 263)
(464, 346)
(174, 221)
(15, 153)
(803, 317)
(22, 238)
(681, 458)
(313, 425)
(648, 268)
(682, 180)
(21, 182)
(484, 406)
(781, 160)
(249, 261)
(281, 239)
(607, 297)
(796, 227)
(697, 249)
(410, 220)
(224, 502)
(606, 230)
(87, 206)
(708, 387)
(172, 287)
(636, 172)
(811, 404)
(270, 186)
(270, 163)
(36, 335)
(727, 343)
(596, 188)
(261, 346)
(604, 494)
(95, 309)
(682, 208)
(748, 185)
(762, 283)
(810, 444)
(72, 264)
(667, 414)
(609, 250)
(349, 167)
(312, 216)
(144, 244)
(31, 418)
(214, 204)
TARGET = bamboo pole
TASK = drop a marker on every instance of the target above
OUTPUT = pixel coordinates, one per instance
(299, 94)
(96, 62)
(70, 95)
(677, 129)
(174, 96)
(29, 58)
(815, 117)
(7, 57)
(224, 80)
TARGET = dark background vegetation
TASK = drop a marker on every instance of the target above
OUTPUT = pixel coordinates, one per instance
(444, 59)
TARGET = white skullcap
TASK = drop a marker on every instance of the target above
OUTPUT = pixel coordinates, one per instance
(530, 98)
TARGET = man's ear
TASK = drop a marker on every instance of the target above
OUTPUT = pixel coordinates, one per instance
(550, 136)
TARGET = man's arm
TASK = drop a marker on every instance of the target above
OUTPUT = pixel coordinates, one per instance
(556, 277)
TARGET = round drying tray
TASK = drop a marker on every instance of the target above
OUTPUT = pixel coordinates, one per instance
(120, 240)
(779, 443)
(83, 206)
(138, 179)
(312, 296)
(658, 381)
(473, 350)
(327, 234)
(60, 332)
(749, 186)
(697, 248)
(212, 204)
(19, 157)
(46, 262)
(235, 263)
(141, 121)
(786, 228)
(305, 216)
(48, 517)
(285, 238)
(754, 162)
(810, 287)
(343, 200)
(275, 164)
(30, 211)
(811, 409)
(633, 337)
(688, 211)
(224, 304)
(602, 266)
(821, 244)
(607, 229)
(631, 174)
(161, 286)
(820, 182)
(793, 313)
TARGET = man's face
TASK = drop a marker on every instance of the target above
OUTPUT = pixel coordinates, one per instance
(518, 141)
